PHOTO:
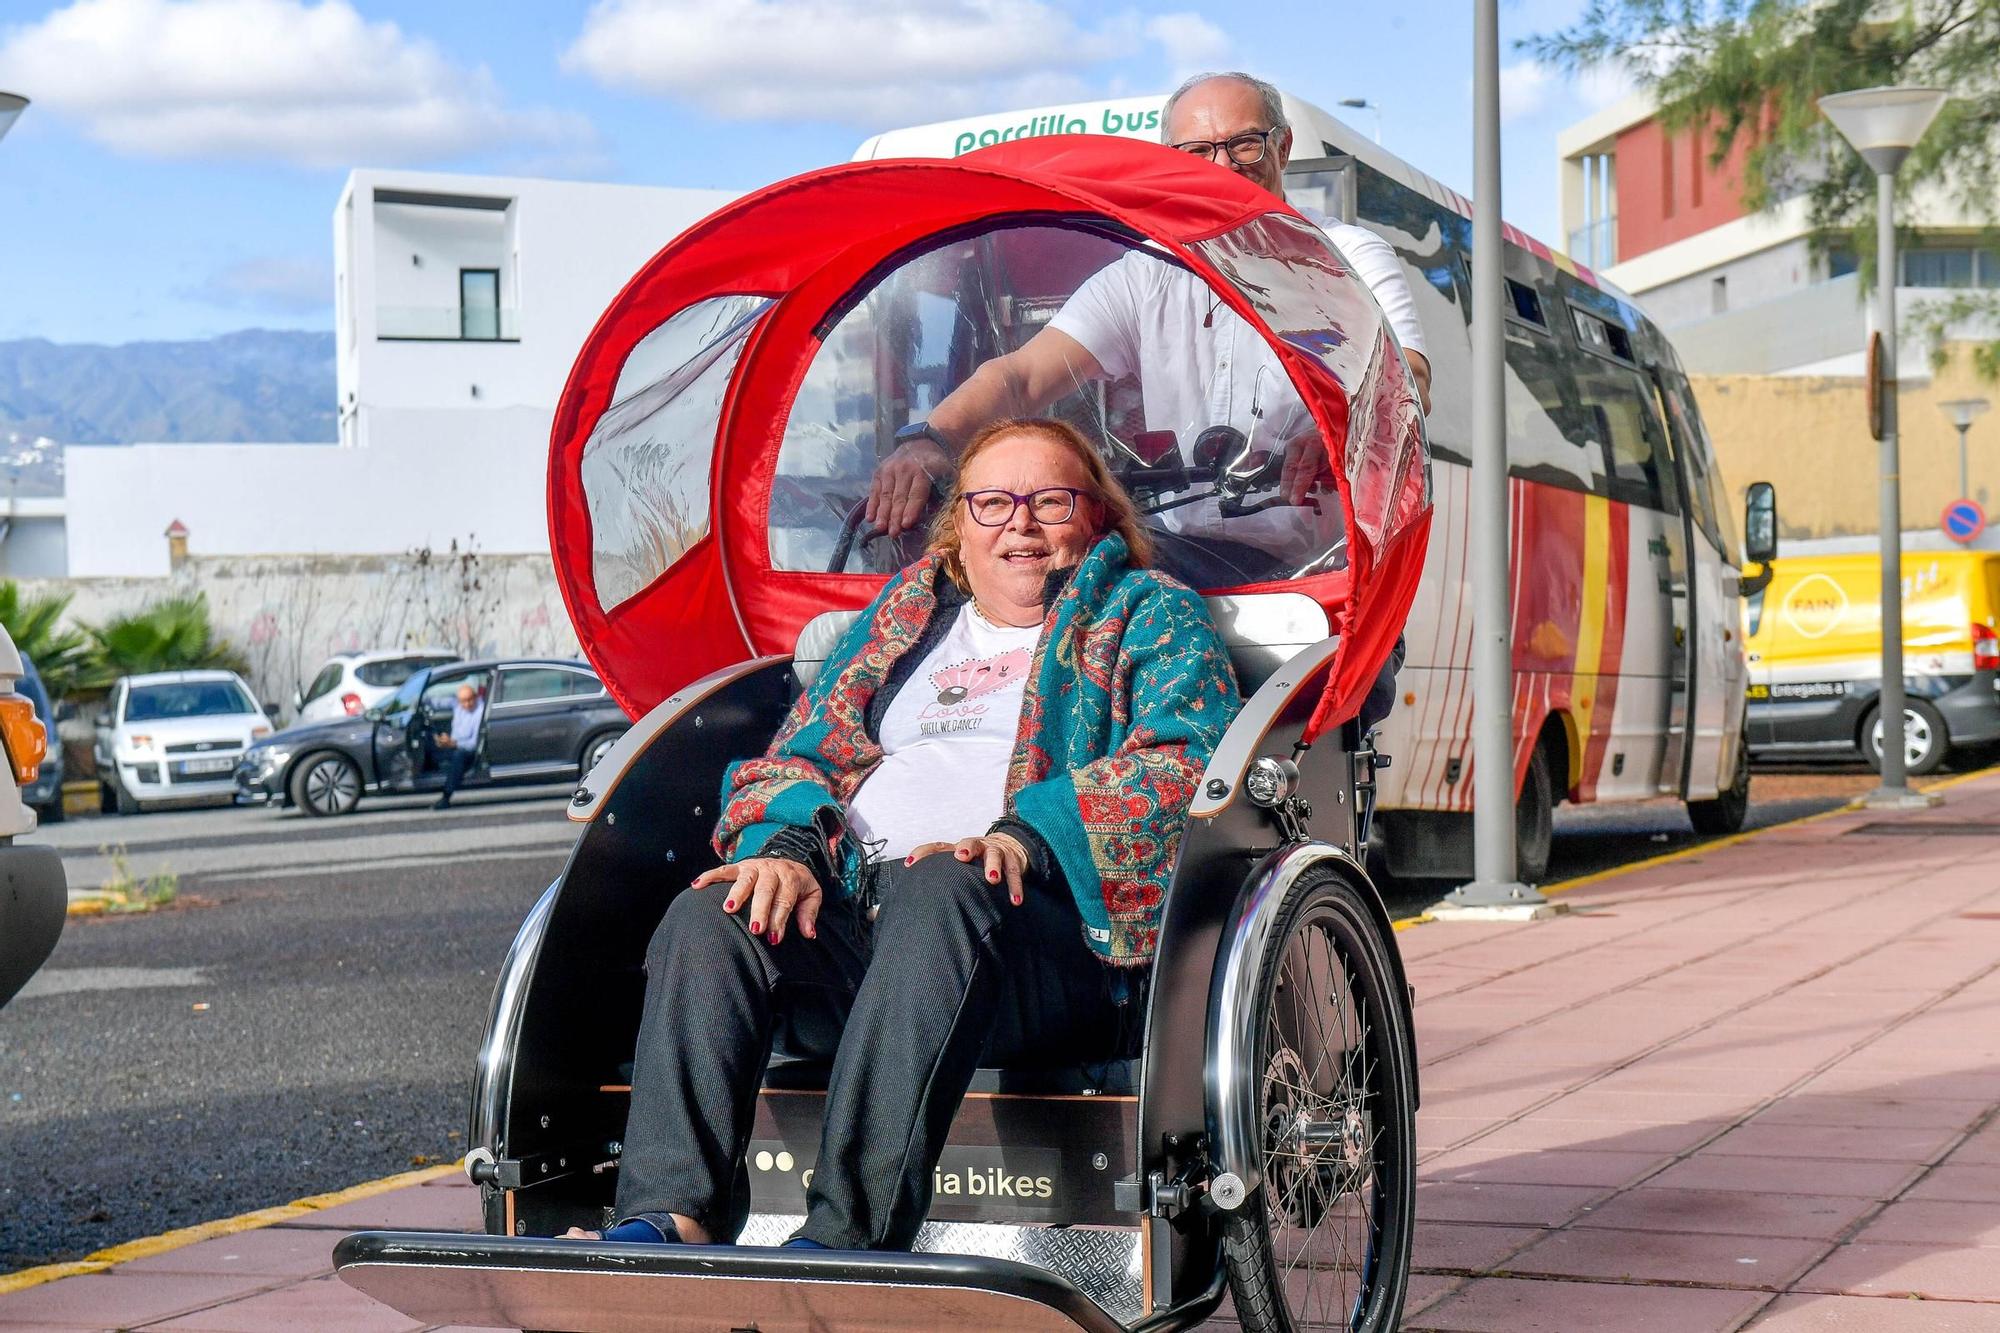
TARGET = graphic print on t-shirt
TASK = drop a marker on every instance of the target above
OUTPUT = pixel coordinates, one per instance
(979, 675)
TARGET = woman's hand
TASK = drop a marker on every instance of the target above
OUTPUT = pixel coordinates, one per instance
(776, 891)
(1004, 857)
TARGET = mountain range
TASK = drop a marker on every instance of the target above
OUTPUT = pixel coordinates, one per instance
(256, 385)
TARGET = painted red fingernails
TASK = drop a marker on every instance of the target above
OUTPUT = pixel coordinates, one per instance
(993, 877)
(756, 927)
(773, 937)
(729, 904)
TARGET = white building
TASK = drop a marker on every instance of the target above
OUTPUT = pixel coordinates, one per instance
(460, 303)
(1741, 291)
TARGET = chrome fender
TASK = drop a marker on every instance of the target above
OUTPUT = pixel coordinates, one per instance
(1230, 1068)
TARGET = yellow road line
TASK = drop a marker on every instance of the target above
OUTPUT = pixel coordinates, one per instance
(147, 1246)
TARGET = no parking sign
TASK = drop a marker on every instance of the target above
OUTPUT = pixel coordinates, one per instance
(1963, 521)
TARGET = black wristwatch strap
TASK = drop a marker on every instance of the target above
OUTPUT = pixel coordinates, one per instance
(924, 430)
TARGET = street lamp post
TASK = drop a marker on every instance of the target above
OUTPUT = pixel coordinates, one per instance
(1883, 125)
(11, 107)
(1363, 104)
(1961, 411)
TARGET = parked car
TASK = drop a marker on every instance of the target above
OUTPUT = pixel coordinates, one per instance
(175, 735)
(34, 897)
(45, 792)
(547, 719)
(352, 683)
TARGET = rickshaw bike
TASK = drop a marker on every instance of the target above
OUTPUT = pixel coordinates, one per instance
(709, 466)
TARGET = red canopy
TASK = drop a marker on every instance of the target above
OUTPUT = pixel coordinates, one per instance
(810, 245)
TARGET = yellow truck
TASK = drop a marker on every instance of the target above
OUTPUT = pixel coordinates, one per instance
(1814, 642)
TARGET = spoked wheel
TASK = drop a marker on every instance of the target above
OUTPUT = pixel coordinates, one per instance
(1324, 1243)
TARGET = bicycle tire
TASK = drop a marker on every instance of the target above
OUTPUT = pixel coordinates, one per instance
(1338, 1143)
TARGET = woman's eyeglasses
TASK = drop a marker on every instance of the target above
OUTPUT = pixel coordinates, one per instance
(1244, 150)
(1050, 505)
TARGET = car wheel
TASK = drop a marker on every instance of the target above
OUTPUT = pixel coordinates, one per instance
(1731, 806)
(110, 799)
(1534, 820)
(326, 784)
(1925, 740)
(596, 748)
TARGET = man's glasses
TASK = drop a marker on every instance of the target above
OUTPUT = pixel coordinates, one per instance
(1246, 149)
(1050, 505)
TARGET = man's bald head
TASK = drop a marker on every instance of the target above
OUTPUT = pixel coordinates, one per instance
(1216, 107)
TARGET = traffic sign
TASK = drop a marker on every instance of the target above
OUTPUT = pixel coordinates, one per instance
(1963, 521)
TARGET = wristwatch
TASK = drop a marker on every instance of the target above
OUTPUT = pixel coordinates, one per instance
(923, 430)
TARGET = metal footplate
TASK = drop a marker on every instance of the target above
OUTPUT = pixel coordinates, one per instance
(527, 1282)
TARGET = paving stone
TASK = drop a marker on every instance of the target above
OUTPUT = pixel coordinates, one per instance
(275, 1252)
(114, 1300)
(1972, 1181)
(1484, 1164)
(1531, 1205)
(1937, 1222)
(1704, 1258)
(1761, 1138)
(1962, 1274)
(413, 1208)
(1807, 1108)
(1728, 1212)
(1466, 1245)
(1863, 1314)
(325, 1303)
(1788, 1175)
(1544, 1130)
(1503, 1305)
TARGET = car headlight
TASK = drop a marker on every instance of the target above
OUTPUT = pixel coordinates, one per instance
(139, 742)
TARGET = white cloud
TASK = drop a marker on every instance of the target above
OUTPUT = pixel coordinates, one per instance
(1601, 86)
(1190, 42)
(864, 62)
(270, 284)
(1524, 89)
(311, 84)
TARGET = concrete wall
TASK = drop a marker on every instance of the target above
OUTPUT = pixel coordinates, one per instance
(436, 475)
(287, 614)
(1809, 436)
(1782, 270)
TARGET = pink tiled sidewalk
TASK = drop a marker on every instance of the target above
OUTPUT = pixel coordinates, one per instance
(1752, 1088)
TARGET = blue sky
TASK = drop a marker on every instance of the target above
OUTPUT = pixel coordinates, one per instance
(176, 175)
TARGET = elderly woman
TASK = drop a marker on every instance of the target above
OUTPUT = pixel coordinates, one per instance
(954, 853)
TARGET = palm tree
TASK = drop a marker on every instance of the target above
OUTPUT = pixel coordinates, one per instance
(173, 634)
(60, 653)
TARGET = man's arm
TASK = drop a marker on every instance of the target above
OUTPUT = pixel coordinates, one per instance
(1019, 384)
(1420, 370)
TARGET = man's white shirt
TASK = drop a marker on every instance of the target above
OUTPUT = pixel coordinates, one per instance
(1199, 365)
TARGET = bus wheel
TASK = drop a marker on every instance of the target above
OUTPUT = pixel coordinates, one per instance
(1534, 820)
(1726, 813)
(1925, 740)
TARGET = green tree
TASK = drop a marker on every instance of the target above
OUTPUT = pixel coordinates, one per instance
(34, 623)
(173, 634)
(1752, 72)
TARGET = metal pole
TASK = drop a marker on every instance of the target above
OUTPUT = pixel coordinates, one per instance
(1895, 787)
(1493, 849)
(1964, 481)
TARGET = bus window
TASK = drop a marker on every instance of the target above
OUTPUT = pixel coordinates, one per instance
(1542, 414)
(1618, 420)
(1703, 484)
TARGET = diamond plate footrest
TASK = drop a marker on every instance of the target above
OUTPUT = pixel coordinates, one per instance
(525, 1282)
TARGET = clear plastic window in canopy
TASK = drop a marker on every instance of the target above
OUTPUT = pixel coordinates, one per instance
(646, 465)
(1188, 402)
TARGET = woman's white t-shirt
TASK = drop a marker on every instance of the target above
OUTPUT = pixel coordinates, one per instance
(946, 739)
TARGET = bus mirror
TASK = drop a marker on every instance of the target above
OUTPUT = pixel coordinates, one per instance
(1760, 523)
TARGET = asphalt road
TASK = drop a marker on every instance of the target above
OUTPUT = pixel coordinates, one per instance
(305, 1017)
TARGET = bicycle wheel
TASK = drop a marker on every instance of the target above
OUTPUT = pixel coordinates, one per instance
(1324, 1242)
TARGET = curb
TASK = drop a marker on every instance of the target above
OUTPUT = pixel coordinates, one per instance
(147, 1246)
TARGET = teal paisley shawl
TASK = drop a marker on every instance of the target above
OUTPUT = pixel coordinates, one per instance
(1128, 695)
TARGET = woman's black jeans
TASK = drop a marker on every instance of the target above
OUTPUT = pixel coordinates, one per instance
(949, 976)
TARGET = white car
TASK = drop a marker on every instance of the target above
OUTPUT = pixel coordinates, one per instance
(351, 683)
(175, 735)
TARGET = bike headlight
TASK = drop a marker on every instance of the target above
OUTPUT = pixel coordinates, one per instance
(1271, 781)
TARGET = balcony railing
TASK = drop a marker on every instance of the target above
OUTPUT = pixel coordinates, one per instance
(1596, 245)
(448, 323)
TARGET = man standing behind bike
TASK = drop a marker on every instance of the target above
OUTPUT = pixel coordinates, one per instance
(1199, 364)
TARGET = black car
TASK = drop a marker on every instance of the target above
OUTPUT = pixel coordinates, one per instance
(546, 719)
(45, 792)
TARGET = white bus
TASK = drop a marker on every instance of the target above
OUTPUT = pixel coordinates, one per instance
(1629, 676)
